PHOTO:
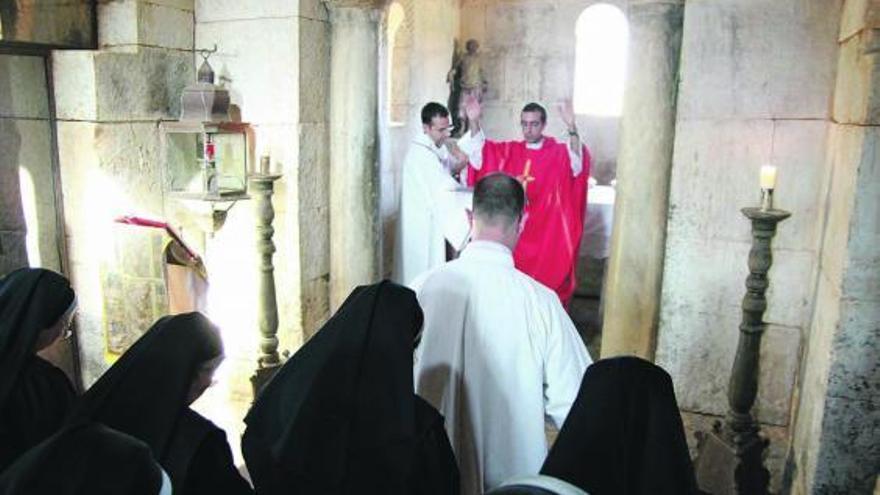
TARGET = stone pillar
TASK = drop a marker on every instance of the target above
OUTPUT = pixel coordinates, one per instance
(313, 177)
(354, 207)
(635, 268)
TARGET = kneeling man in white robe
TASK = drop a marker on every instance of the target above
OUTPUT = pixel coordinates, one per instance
(498, 355)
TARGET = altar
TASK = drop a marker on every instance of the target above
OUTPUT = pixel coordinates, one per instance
(596, 241)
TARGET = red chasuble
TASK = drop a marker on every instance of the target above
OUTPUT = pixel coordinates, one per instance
(555, 204)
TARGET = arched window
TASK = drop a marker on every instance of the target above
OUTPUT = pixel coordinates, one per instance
(398, 66)
(602, 34)
(31, 222)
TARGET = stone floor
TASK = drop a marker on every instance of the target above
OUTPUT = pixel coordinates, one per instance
(585, 311)
(585, 308)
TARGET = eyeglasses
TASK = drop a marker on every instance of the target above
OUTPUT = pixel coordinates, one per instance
(534, 124)
(67, 330)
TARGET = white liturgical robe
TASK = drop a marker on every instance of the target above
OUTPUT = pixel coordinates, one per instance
(429, 210)
(498, 356)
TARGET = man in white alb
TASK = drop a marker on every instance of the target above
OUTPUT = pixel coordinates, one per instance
(498, 354)
(428, 208)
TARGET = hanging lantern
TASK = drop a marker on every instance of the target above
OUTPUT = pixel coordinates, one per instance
(205, 154)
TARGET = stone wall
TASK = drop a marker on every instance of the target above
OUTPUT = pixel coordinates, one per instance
(26, 141)
(30, 220)
(314, 162)
(743, 103)
(274, 59)
(49, 22)
(257, 61)
(397, 44)
(108, 105)
(836, 446)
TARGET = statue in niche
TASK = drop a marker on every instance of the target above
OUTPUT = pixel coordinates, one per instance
(453, 79)
(465, 80)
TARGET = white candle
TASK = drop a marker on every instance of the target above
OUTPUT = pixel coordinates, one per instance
(259, 149)
(768, 177)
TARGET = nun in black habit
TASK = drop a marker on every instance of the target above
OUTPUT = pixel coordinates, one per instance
(147, 393)
(341, 417)
(623, 435)
(87, 459)
(36, 309)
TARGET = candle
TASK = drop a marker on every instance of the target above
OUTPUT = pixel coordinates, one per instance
(210, 149)
(265, 165)
(261, 150)
(768, 177)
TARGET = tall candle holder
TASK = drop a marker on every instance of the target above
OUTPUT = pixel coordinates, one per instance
(730, 458)
(262, 187)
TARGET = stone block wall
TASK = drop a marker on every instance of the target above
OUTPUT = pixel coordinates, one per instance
(275, 59)
(108, 104)
(133, 287)
(50, 22)
(837, 430)
(743, 103)
(399, 60)
(26, 155)
(257, 62)
(30, 233)
(314, 162)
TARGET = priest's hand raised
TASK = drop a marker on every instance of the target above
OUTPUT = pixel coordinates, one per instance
(460, 159)
(566, 113)
(474, 112)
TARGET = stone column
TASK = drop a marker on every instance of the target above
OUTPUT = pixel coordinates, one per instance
(635, 268)
(354, 207)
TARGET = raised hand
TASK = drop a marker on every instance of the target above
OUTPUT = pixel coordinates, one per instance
(566, 112)
(460, 159)
(472, 109)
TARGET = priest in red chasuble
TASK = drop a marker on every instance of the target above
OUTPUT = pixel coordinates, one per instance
(554, 175)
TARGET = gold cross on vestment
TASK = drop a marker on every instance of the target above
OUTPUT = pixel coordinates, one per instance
(526, 177)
